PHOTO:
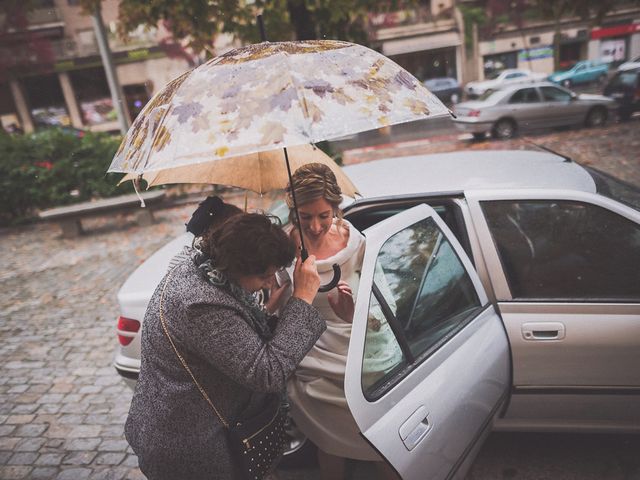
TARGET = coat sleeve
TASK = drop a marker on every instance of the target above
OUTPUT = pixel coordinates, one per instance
(223, 338)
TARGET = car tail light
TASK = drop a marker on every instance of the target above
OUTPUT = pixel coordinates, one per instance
(474, 113)
(127, 329)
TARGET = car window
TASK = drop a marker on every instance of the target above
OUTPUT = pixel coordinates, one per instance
(625, 79)
(615, 189)
(525, 95)
(514, 75)
(565, 250)
(422, 296)
(553, 94)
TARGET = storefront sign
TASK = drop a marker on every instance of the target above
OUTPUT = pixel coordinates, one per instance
(535, 53)
(617, 31)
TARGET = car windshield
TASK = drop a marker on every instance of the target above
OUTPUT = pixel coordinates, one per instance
(611, 187)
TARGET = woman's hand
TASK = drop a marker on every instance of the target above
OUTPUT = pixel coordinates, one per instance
(276, 297)
(341, 301)
(306, 280)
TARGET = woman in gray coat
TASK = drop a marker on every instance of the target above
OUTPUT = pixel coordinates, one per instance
(234, 349)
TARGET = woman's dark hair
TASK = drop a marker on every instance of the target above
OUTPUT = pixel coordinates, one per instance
(211, 212)
(249, 244)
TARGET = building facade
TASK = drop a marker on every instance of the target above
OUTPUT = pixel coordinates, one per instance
(426, 39)
(51, 71)
(531, 46)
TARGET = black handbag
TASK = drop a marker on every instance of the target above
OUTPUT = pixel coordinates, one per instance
(257, 443)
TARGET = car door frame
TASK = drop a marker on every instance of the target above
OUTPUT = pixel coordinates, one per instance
(445, 450)
(559, 405)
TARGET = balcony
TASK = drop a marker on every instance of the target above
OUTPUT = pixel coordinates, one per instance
(36, 19)
(410, 22)
(45, 51)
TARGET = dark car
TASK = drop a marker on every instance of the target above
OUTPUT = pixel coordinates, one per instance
(624, 88)
(447, 89)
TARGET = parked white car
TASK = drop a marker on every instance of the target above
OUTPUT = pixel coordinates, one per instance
(511, 282)
(630, 65)
(510, 76)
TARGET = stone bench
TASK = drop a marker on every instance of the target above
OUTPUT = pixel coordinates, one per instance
(69, 217)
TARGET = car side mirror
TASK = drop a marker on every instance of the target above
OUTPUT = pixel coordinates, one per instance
(574, 97)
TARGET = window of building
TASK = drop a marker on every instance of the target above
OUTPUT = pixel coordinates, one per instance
(565, 250)
(46, 100)
(494, 64)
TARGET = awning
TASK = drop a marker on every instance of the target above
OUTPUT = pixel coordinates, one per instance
(424, 42)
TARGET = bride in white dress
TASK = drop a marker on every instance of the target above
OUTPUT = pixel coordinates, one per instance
(316, 390)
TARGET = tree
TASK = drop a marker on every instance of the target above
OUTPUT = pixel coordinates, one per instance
(200, 21)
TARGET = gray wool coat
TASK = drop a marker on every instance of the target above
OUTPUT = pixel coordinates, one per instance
(170, 426)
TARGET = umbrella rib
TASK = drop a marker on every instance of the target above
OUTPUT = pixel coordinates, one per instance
(301, 99)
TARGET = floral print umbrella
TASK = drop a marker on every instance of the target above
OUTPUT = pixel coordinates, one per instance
(268, 96)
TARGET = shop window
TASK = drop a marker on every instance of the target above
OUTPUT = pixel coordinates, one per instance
(46, 101)
(494, 64)
(94, 96)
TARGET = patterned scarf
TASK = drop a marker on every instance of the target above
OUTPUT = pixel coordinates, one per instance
(258, 314)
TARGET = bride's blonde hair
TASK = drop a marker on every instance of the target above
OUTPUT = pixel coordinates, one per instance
(311, 182)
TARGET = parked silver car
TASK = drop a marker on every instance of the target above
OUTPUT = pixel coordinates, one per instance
(505, 112)
(505, 78)
(512, 284)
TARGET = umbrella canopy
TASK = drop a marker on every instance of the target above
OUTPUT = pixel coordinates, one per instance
(260, 172)
(268, 96)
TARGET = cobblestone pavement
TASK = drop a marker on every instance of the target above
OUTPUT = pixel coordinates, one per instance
(62, 406)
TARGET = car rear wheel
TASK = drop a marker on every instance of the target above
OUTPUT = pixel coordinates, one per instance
(596, 117)
(504, 129)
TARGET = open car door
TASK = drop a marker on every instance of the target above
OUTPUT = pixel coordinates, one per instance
(428, 363)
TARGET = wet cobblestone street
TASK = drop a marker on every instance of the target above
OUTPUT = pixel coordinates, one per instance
(62, 406)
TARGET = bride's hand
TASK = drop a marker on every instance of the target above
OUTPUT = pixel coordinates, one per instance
(276, 297)
(341, 301)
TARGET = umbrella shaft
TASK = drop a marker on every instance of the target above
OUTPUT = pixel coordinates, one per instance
(303, 251)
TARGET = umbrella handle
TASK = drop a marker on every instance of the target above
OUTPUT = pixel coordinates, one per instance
(337, 273)
(334, 281)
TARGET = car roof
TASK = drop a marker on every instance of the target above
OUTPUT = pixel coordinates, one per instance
(455, 172)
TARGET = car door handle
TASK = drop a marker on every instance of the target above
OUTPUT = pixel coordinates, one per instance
(415, 428)
(543, 331)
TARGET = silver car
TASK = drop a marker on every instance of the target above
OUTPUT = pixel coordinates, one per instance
(505, 112)
(511, 281)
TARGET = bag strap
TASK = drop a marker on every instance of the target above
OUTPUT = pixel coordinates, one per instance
(182, 360)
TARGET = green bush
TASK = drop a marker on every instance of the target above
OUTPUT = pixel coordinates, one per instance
(52, 168)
